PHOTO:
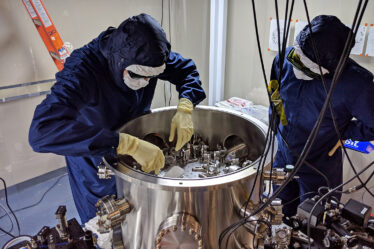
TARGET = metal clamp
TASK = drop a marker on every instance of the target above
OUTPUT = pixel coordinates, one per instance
(281, 236)
(104, 172)
(111, 212)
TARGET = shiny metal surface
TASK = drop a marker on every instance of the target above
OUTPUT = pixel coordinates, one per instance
(179, 231)
(213, 202)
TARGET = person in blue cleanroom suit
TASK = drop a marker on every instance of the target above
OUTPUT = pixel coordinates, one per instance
(302, 96)
(103, 85)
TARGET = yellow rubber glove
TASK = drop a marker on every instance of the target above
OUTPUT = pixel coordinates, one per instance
(182, 122)
(148, 155)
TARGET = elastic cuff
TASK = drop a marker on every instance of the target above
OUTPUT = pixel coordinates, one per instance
(185, 105)
(128, 144)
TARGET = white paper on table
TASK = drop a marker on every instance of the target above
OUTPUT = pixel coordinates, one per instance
(360, 40)
(273, 37)
(370, 43)
(299, 25)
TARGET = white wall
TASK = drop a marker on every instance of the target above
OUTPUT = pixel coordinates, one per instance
(359, 161)
(243, 70)
(189, 36)
(24, 58)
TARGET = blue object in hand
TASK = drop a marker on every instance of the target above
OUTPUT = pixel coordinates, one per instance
(363, 147)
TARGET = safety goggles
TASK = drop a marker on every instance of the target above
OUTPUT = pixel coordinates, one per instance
(294, 59)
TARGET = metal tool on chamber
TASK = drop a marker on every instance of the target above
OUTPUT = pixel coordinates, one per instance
(207, 161)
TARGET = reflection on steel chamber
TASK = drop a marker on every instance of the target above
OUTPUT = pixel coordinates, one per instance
(188, 213)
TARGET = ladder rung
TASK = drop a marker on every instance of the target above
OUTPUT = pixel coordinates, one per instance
(37, 22)
(56, 56)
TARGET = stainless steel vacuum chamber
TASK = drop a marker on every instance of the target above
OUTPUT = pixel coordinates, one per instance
(189, 213)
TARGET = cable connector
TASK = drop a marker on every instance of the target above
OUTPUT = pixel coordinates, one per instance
(351, 190)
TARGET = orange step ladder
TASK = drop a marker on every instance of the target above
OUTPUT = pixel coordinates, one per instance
(47, 31)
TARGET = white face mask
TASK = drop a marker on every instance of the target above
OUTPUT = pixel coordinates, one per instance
(147, 72)
(300, 74)
(308, 63)
(135, 84)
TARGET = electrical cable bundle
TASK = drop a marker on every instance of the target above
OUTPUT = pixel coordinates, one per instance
(10, 209)
(313, 134)
(10, 219)
(273, 124)
(339, 69)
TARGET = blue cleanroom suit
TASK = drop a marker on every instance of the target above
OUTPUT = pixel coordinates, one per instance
(89, 101)
(353, 97)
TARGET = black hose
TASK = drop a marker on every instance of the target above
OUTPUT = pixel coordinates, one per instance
(11, 210)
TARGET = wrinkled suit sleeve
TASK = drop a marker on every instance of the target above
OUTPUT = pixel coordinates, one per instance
(183, 73)
(362, 109)
(55, 128)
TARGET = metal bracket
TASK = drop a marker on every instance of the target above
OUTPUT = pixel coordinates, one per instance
(104, 172)
(111, 212)
(117, 238)
(62, 227)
